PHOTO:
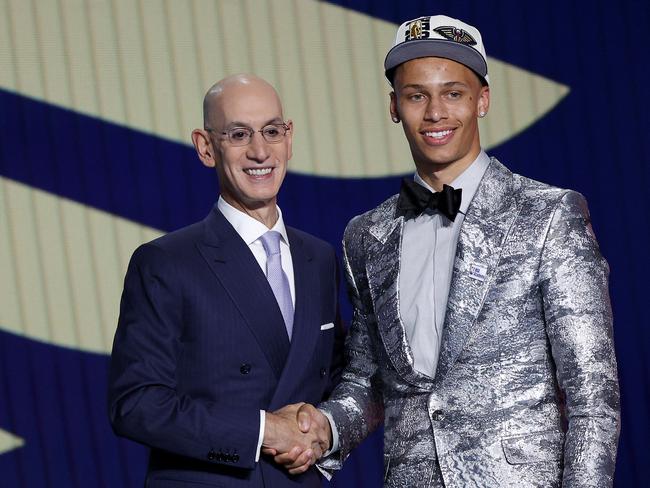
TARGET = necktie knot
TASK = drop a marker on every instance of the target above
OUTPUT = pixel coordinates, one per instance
(271, 242)
(415, 199)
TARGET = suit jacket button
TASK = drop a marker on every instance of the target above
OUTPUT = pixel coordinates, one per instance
(245, 368)
(323, 372)
(212, 455)
(235, 458)
(438, 415)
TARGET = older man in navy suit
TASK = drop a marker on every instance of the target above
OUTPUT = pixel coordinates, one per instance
(227, 320)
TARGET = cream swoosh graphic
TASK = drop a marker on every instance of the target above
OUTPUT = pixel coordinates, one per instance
(9, 442)
(63, 265)
(145, 65)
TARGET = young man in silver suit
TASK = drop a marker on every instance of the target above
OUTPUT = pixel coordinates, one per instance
(482, 327)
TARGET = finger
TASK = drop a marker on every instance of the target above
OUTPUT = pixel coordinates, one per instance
(270, 451)
(324, 431)
(305, 459)
(317, 450)
(304, 417)
(323, 443)
(290, 457)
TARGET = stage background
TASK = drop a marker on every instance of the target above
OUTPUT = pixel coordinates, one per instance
(97, 101)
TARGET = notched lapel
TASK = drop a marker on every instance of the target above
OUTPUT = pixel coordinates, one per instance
(235, 267)
(487, 223)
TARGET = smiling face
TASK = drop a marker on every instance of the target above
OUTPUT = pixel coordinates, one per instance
(250, 176)
(438, 102)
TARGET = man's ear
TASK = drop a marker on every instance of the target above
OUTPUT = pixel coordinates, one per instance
(203, 147)
(394, 115)
(289, 139)
(483, 104)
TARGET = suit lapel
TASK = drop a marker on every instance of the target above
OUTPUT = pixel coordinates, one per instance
(235, 267)
(483, 232)
(306, 324)
(382, 269)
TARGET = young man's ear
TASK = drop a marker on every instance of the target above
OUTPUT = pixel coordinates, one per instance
(393, 108)
(483, 101)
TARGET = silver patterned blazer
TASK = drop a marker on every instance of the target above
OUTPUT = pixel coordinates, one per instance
(526, 391)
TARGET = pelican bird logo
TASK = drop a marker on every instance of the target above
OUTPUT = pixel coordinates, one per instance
(455, 34)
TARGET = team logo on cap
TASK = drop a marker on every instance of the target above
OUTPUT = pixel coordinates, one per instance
(455, 34)
(417, 29)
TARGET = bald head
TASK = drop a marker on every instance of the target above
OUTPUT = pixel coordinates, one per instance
(232, 88)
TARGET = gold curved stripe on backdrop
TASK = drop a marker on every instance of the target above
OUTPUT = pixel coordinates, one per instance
(63, 266)
(9, 442)
(146, 64)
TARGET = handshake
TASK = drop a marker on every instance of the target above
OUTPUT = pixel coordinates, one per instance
(296, 436)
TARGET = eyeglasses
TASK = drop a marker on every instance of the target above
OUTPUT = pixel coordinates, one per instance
(241, 136)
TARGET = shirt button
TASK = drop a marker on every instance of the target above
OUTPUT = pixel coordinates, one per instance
(438, 415)
(245, 368)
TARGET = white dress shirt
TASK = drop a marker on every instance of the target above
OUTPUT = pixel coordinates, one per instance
(426, 264)
(250, 230)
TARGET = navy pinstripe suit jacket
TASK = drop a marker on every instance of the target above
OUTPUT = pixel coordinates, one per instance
(201, 347)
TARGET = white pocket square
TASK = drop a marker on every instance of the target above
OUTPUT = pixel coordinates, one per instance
(327, 326)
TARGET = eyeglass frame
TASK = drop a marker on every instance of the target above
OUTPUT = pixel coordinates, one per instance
(251, 133)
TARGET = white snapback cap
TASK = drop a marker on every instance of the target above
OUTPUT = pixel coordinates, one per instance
(442, 37)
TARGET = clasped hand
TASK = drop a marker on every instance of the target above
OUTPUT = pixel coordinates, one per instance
(296, 436)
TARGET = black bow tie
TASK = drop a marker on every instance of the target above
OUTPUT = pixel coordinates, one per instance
(414, 199)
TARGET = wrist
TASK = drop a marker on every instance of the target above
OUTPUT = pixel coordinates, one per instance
(269, 428)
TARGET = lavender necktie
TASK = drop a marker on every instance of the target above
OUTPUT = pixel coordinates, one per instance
(277, 278)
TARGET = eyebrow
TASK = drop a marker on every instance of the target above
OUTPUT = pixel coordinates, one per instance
(447, 84)
(236, 123)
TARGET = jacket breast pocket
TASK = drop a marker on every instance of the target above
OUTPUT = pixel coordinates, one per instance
(533, 448)
(326, 339)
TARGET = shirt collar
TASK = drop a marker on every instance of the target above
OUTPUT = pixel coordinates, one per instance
(468, 180)
(248, 228)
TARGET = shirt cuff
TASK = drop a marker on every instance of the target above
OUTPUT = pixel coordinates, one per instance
(260, 438)
(335, 434)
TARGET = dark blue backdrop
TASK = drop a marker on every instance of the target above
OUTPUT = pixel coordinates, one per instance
(595, 141)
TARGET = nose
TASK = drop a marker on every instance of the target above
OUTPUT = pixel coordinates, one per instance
(258, 148)
(436, 110)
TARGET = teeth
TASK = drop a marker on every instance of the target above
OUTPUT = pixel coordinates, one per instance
(439, 134)
(258, 172)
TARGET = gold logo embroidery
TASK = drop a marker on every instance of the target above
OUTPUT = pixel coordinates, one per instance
(415, 29)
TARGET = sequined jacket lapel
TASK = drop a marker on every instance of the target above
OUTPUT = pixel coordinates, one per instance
(485, 228)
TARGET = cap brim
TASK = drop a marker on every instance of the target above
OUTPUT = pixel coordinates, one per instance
(441, 48)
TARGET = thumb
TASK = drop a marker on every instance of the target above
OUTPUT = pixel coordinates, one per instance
(304, 418)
